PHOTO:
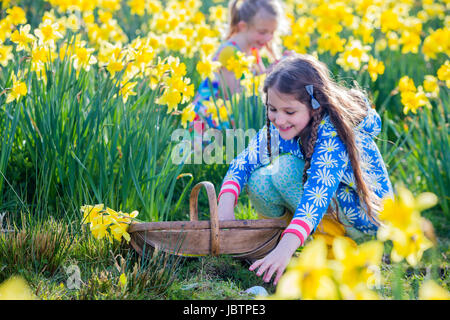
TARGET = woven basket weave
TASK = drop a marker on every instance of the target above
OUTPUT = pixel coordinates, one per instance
(244, 239)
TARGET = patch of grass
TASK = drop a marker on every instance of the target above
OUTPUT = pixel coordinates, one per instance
(38, 247)
(215, 278)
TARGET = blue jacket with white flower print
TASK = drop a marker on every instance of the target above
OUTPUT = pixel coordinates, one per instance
(330, 173)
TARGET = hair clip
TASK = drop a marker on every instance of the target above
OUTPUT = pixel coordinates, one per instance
(314, 103)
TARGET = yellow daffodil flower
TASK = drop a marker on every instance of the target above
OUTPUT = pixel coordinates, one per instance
(187, 115)
(375, 68)
(48, 33)
(402, 223)
(137, 7)
(406, 84)
(309, 276)
(5, 54)
(22, 37)
(430, 290)
(15, 288)
(443, 73)
(354, 54)
(207, 68)
(431, 85)
(107, 223)
(18, 90)
(353, 264)
(16, 15)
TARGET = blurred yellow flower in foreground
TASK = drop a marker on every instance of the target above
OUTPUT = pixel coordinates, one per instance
(15, 288)
(354, 265)
(309, 276)
(430, 290)
(403, 225)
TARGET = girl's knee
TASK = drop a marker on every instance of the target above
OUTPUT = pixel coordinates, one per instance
(288, 172)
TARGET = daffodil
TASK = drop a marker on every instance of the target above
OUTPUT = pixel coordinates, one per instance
(436, 42)
(48, 33)
(353, 55)
(123, 280)
(309, 276)
(6, 54)
(107, 223)
(413, 100)
(443, 73)
(389, 21)
(187, 115)
(402, 224)
(18, 90)
(16, 15)
(137, 7)
(430, 290)
(22, 37)
(430, 85)
(354, 265)
(375, 68)
(406, 84)
(239, 63)
(15, 288)
(206, 68)
(126, 89)
(83, 58)
(333, 44)
(410, 42)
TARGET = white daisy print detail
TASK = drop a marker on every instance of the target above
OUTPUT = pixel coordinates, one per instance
(329, 145)
(324, 176)
(318, 195)
(309, 211)
(345, 194)
(326, 160)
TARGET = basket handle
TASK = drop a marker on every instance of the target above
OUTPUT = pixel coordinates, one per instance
(214, 215)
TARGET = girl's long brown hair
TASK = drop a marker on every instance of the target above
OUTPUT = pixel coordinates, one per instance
(345, 107)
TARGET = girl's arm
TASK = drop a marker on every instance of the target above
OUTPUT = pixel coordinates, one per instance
(226, 206)
(318, 190)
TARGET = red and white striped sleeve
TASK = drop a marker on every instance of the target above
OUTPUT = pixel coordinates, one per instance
(230, 186)
(300, 227)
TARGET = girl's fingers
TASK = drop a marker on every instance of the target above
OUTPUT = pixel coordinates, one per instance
(273, 268)
(262, 269)
(279, 274)
(256, 264)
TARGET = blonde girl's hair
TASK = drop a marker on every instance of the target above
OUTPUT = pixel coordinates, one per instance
(245, 10)
(345, 107)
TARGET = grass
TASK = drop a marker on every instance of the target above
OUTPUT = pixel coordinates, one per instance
(60, 260)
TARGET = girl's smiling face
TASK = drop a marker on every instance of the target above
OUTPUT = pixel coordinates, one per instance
(289, 115)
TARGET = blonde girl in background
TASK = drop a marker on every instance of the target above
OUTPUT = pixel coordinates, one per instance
(317, 146)
(252, 26)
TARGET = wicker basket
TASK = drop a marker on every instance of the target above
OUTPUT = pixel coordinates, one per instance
(244, 239)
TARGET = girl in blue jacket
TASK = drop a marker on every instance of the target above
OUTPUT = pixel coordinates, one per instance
(317, 146)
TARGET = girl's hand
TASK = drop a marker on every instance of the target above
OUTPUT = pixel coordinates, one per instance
(277, 260)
